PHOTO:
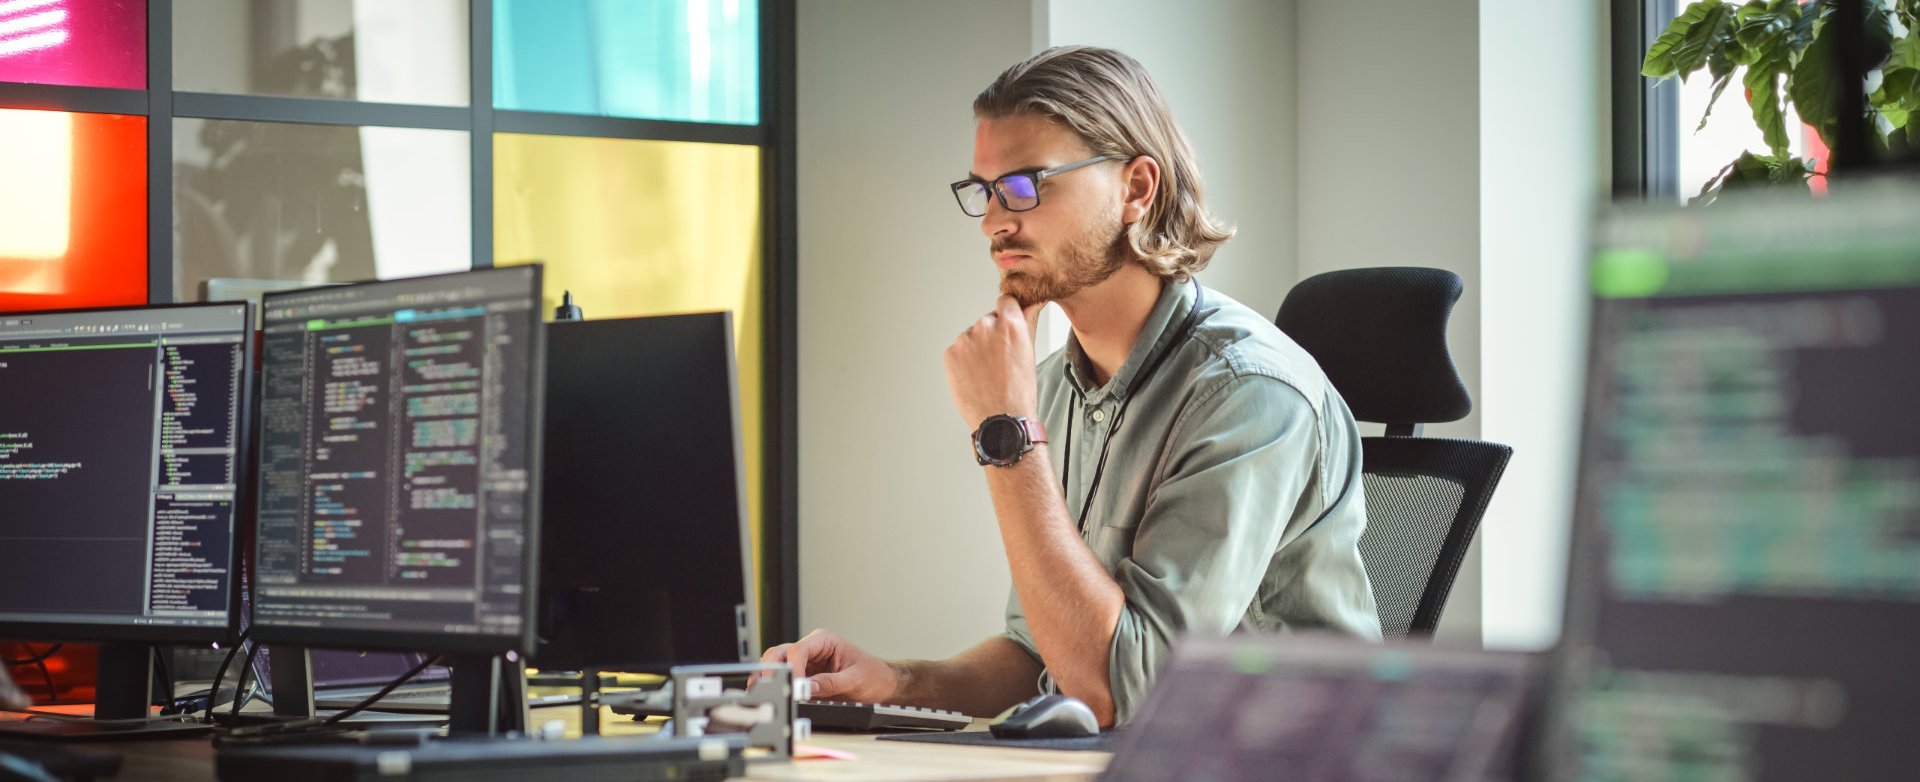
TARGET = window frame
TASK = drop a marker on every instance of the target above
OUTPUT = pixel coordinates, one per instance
(1646, 129)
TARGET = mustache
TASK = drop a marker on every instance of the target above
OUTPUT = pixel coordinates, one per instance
(1010, 243)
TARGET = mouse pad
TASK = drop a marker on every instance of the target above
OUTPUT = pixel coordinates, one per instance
(981, 738)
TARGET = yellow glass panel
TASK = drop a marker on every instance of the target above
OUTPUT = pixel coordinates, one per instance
(644, 228)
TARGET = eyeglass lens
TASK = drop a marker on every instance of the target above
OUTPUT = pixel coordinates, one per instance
(1017, 191)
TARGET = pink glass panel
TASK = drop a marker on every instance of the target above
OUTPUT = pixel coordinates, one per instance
(82, 43)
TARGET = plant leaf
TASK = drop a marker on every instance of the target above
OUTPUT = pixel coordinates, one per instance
(1760, 24)
(1710, 191)
(1720, 83)
(1812, 84)
(1689, 40)
(1764, 98)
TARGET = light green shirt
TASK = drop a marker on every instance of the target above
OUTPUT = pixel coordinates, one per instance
(1231, 498)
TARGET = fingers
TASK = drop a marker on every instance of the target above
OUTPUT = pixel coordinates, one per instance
(1007, 307)
(827, 685)
(1032, 315)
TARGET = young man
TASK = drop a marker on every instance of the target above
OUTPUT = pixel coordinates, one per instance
(1198, 472)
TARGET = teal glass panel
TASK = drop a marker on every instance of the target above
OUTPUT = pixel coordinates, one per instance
(687, 60)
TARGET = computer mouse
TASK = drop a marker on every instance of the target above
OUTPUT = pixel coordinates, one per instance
(1047, 717)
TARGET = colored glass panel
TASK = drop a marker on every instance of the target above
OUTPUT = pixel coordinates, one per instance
(81, 43)
(73, 210)
(317, 203)
(372, 50)
(644, 228)
(690, 60)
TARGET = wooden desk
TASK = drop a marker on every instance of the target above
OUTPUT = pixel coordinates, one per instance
(891, 761)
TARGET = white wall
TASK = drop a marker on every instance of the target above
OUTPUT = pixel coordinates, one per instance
(898, 546)
(1540, 153)
(1389, 165)
(1234, 97)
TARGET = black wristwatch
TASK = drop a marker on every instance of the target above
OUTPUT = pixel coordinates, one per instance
(1002, 439)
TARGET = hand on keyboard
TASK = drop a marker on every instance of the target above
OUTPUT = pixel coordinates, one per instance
(839, 670)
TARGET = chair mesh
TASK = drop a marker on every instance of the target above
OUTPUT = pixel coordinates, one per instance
(1425, 497)
(1408, 517)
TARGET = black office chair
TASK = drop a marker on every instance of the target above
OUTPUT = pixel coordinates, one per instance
(1380, 334)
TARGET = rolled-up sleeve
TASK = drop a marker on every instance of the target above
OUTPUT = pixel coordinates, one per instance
(1245, 482)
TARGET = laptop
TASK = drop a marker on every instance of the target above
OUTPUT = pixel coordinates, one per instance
(1310, 707)
(342, 679)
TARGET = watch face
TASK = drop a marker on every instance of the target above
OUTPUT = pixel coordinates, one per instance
(1001, 438)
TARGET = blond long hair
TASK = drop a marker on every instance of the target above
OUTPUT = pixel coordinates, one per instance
(1108, 99)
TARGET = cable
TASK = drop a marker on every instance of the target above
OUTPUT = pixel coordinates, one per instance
(313, 728)
(37, 659)
(40, 661)
(165, 671)
(240, 696)
(213, 693)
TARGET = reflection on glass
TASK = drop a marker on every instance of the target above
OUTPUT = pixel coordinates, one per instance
(73, 210)
(84, 43)
(643, 228)
(317, 203)
(372, 50)
(692, 60)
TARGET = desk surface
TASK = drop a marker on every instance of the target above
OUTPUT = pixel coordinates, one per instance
(191, 760)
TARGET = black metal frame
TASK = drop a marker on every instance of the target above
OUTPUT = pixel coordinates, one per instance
(1646, 113)
(774, 134)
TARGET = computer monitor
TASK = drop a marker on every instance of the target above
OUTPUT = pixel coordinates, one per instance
(1322, 707)
(399, 465)
(122, 440)
(644, 527)
(1744, 595)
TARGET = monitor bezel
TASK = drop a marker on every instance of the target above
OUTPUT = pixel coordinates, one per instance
(244, 503)
(425, 640)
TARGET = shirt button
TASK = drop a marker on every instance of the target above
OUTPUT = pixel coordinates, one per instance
(1099, 415)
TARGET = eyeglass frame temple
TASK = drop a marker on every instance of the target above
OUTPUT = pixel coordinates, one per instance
(994, 191)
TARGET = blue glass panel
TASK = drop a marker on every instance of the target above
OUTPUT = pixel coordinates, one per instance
(689, 60)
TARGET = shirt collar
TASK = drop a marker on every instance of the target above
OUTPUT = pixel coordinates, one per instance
(1162, 323)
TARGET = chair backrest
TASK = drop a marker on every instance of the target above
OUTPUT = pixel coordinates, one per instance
(1425, 497)
(1380, 334)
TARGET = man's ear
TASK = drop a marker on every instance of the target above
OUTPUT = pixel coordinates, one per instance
(1141, 178)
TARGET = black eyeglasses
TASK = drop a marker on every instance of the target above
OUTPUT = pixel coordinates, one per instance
(1018, 191)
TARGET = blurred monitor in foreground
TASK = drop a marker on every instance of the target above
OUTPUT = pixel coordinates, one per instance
(1745, 574)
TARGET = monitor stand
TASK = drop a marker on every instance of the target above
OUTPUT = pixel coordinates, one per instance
(489, 695)
(489, 692)
(123, 690)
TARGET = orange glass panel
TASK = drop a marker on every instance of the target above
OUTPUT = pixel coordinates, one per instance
(73, 210)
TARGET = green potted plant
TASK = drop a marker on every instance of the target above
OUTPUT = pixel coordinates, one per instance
(1783, 51)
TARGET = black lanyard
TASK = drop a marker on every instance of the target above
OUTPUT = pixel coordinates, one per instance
(1133, 390)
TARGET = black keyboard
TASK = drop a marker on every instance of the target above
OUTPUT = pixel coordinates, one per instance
(846, 715)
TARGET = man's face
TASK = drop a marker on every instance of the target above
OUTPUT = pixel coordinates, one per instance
(1074, 239)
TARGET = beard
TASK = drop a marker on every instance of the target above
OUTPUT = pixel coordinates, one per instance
(1086, 260)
